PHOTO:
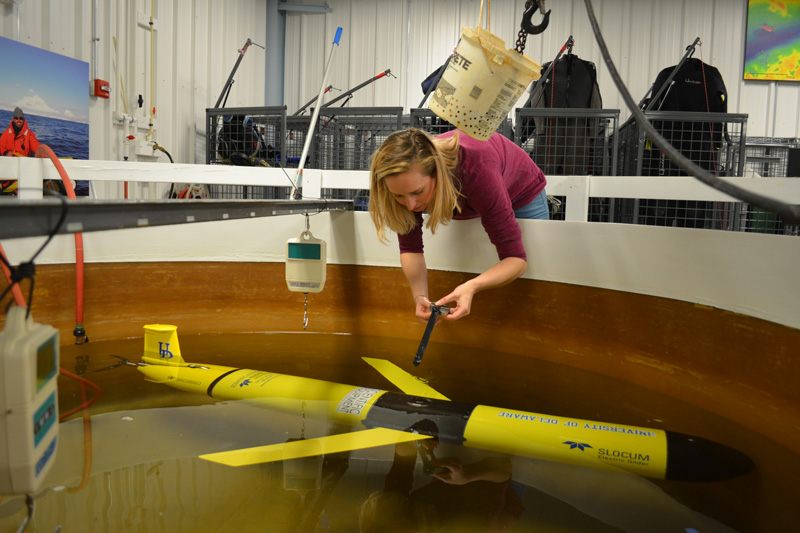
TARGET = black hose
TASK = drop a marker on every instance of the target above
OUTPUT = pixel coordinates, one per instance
(156, 146)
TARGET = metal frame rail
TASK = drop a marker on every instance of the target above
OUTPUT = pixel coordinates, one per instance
(34, 218)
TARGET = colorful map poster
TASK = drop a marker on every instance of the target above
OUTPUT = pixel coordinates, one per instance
(772, 50)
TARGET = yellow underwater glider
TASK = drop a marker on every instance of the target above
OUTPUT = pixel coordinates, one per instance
(380, 417)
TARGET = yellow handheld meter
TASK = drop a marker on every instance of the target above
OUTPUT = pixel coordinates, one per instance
(306, 262)
(29, 363)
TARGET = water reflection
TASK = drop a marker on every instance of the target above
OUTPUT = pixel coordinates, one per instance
(459, 496)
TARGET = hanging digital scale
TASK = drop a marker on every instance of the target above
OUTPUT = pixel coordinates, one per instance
(29, 363)
(306, 260)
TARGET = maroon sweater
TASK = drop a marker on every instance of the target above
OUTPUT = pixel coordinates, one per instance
(495, 177)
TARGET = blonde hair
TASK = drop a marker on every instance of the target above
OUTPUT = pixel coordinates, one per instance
(437, 158)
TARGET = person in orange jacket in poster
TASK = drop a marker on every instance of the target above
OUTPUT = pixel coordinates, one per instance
(17, 141)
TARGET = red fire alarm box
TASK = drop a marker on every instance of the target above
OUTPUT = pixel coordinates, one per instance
(102, 88)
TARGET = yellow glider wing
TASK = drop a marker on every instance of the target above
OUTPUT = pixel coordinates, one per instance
(358, 440)
(406, 382)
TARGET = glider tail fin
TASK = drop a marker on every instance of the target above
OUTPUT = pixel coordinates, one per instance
(161, 345)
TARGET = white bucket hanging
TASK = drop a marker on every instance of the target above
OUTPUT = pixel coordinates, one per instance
(482, 82)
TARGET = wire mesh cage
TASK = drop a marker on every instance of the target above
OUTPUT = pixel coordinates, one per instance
(770, 157)
(425, 119)
(348, 137)
(249, 192)
(245, 136)
(713, 141)
(297, 131)
(569, 141)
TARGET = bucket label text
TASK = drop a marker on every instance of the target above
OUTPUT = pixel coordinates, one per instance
(459, 60)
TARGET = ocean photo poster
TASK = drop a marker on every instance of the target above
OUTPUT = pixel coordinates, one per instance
(53, 92)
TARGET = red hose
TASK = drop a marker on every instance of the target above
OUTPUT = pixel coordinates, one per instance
(98, 393)
(45, 151)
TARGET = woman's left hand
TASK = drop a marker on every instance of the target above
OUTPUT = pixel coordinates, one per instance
(451, 471)
(462, 296)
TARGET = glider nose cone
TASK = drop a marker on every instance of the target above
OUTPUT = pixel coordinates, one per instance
(693, 458)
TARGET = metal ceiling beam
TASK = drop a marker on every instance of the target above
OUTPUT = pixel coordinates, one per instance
(33, 218)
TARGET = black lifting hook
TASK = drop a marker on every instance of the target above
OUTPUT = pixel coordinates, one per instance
(526, 23)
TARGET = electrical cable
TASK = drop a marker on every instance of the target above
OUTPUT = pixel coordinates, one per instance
(724, 207)
(29, 502)
(27, 269)
(790, 212)
(295, 190)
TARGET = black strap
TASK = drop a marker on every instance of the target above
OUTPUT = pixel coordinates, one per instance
(426, 337)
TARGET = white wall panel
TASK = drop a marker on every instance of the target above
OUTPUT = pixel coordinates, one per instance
(391, 52)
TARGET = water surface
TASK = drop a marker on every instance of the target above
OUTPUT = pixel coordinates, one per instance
(145, 438)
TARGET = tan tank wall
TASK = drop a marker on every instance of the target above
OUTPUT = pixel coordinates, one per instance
(740, 367)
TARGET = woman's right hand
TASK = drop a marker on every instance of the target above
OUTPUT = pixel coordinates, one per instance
(422, 307)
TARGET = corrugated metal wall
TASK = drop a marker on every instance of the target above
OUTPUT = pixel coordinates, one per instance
(197, 43)
(414, 37)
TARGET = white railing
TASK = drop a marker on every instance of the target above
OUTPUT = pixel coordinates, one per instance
(577, 189)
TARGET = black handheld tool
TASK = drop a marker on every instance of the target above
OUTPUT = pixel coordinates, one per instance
(436, 310)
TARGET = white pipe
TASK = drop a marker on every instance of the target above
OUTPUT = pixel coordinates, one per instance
(152, 92)
(126, 119)
(299, 176)
(121, 81)
(95, 38)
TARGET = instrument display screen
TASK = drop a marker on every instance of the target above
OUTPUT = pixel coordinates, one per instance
(45, 362)
(302, 250)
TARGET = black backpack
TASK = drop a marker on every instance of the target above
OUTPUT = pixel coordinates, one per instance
(698, 88)
(571, 83)
(562, 145)
(237, 139)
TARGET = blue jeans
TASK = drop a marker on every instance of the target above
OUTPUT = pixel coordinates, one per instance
(537, 208)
